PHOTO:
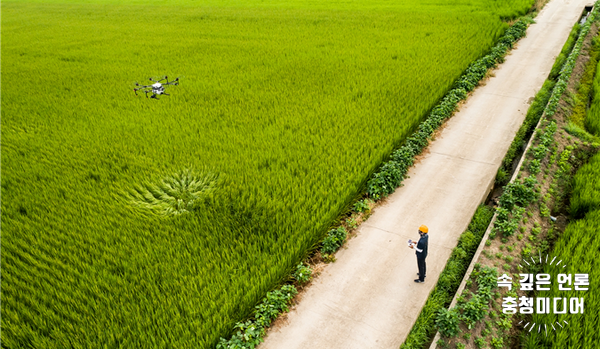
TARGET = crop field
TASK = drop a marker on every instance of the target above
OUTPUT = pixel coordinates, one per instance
(140, 223)
(580, 237)
(592, 120)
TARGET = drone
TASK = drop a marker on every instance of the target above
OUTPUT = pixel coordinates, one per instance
(157, 88)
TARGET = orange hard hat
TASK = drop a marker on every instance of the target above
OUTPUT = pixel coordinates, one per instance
(424, 229)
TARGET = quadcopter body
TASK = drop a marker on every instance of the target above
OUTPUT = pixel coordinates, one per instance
(156, 89)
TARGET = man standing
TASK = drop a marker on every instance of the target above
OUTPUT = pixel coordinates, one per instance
(421, 250)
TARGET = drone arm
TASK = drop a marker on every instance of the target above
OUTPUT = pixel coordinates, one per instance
(165, 78)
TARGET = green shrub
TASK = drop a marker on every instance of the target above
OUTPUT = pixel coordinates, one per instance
(468, 242)
(497, 343)
(334, 240)
(362, 206)
(303, 273)
(564, 53)
(249, 334)
(447, 322)
(472, 311)
(274, 303)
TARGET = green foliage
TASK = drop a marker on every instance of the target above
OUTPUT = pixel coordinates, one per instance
(503, 176)
(545, 140)
(534, 166)
(473, 311)
(564, 53)
(580, 132)
(575, 244)
(449, 279)
(480, 221)
(468, 242)
(520, 192)
(303, 273)
(567, 68)
(507, 227)
(249, 334)
(486, 278)
(480, 342)
(586, 188)
(585, 86)
(334, 240)
(175, 194)
(276, 302)
(391, 174)
(592, 119)
(535, 111)
(362, 206)
(497, 342)
(441, 343)
(447, 322)
(504, 324)
(270, 89)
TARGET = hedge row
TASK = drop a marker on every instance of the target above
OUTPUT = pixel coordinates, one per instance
(565, 73)
(471, 311)
(391, 174)
(250, 334)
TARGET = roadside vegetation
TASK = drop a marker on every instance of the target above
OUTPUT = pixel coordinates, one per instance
(582, 235)
(546, 210)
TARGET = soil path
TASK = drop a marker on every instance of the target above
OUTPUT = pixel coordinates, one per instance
(367, 298)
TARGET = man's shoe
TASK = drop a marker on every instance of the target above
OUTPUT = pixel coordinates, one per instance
(418, 281)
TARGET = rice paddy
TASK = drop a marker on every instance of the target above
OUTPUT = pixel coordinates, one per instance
(576, 246)
(139, 223)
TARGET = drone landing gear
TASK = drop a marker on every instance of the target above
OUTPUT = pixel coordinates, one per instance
(155, 96)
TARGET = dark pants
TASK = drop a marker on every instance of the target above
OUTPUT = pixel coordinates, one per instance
(422, 268)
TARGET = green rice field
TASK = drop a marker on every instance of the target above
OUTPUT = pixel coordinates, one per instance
(575, 246)
(140, 223)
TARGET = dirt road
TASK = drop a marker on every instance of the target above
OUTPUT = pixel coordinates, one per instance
(367, 298)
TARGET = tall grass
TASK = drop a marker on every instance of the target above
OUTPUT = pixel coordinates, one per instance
(574, 247)
(586, 188)
(292, 106)
(592, 119)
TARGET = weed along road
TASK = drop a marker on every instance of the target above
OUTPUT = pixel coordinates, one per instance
(367, 298)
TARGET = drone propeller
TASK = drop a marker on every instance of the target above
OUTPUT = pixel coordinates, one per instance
(137, 84)
(159, 79)
(174, 82)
